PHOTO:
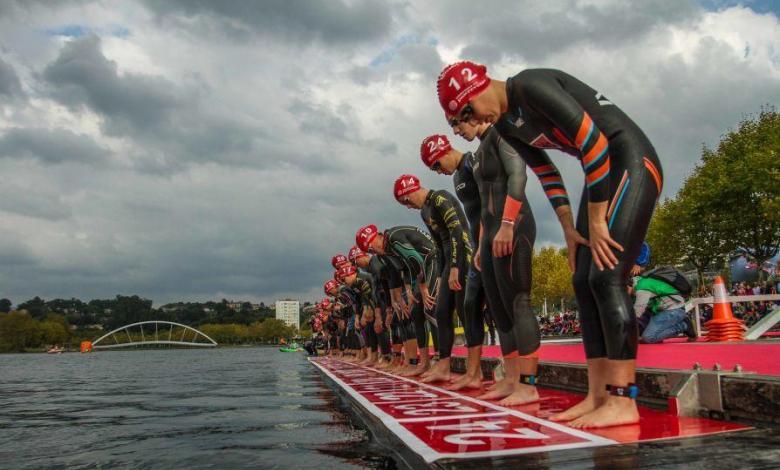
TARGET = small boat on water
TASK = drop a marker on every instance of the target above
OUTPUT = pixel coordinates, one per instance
(292, 347)
(54, 350)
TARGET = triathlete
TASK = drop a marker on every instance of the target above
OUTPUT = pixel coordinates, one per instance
(334, 317)
(351, 340)
(548, 108)
(363, 284)
(386, 272)
(417, 251)
(338, 261)
(505, 252)
(444, 217)
(461, 167)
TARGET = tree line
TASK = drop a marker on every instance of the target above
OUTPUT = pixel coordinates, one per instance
(729, 205)
(122, 310)
(37, 324)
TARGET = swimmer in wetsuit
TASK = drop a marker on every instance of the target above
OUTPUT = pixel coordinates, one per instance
(363, 284)
(548, 108)
(507, 234)
(439, 157)
(416, 251)
(444, 217)
(386, 272)
(350, 339)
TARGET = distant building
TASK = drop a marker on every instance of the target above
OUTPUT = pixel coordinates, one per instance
(289, 311)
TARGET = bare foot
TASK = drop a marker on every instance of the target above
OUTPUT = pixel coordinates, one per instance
(615, 411)
(587, 405)
(436, 376)
(466, 381)
(502, 389)
(418, 370)
(522, 395)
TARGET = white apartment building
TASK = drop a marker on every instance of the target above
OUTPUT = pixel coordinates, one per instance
(289, 311)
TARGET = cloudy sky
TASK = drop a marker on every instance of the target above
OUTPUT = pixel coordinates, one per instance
(198, 150)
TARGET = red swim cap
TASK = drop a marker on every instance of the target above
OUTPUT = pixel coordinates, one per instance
(325, 303)
(354, 253)
(347, 270)
(405, 184)
(330, 285)
(365, 236)
(433, 148)
(459, 83)
(338, 260)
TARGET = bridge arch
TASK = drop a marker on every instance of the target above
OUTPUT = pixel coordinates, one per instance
(164, 336)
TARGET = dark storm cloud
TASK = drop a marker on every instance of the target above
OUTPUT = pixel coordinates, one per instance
(13, 254)
(51, 146)
(39, 203)
(531, 31)
(83, 76)
(170, 123)
(330, 21)
(10, 85)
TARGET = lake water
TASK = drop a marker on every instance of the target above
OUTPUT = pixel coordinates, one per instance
(176, 408)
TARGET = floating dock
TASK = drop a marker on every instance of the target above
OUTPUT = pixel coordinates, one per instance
(430, 426)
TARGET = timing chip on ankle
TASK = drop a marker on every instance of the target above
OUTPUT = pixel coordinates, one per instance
(630, 391)
(414, 362)
(528, 379)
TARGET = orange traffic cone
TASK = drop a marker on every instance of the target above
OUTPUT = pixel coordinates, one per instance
(723, 326)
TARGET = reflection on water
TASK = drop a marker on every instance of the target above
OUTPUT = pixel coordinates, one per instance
(217, 408)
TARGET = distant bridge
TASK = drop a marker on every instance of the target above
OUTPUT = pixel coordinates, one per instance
(157, 332)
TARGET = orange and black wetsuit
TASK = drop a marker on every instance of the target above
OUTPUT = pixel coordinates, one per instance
(551, 109)
(444, 217)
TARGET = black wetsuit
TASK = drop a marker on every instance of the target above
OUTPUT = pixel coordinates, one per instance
(367, 288)
(387, 274)
(467, 190)
(444, 217)
(551, 109)
(349, 298)
(416, 250)
(500, 172)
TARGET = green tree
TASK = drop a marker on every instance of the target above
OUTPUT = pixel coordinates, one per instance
(744, 178)
(5, 305)
(18, 331)
(551, 277)
(272, 329)
(36, 307)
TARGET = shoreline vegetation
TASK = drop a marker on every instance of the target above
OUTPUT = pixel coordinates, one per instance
(37, 325)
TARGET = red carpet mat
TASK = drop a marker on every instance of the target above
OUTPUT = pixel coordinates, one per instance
(761, 358)
(438, 424)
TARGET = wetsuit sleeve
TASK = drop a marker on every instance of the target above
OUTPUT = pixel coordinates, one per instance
(368, 294)
(413, 262)
(514, 166)
(394, 279)
(445, 204)
(470, 201)
(547, 96)
(545, 170)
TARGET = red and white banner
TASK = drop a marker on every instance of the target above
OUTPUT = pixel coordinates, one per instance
(437, 424)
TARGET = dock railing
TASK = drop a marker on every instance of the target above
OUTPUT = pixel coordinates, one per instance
(755, 331)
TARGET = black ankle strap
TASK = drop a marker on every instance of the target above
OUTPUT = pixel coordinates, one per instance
(414, 362)
(528, 379)
(629, 391)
